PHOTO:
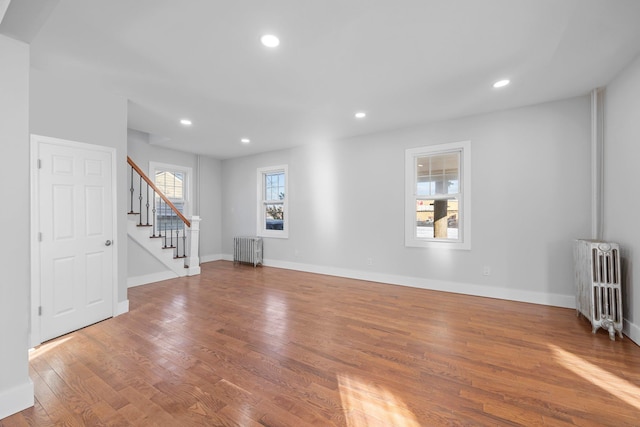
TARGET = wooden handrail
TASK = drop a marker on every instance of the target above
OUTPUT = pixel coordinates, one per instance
(162, 196)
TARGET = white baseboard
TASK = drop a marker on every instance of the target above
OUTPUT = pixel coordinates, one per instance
(16, 399)
(122, 308)
(558, 300)
(212, 257)
(632, 331)
(150, 278)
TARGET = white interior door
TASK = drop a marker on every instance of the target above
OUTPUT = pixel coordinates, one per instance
(75, 219)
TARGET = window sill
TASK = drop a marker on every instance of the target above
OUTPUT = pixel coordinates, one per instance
(273, 234)
(414, 243)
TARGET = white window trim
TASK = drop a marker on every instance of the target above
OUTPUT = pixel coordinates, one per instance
(464, 218)
(260, 226)
(188, 173)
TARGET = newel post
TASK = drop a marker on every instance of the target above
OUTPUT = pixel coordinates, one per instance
(193, 259)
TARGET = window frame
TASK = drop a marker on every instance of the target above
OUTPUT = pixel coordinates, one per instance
(187, 172)
(262, 231)
(464, 201)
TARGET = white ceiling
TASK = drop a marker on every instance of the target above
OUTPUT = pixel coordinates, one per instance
(404, 62)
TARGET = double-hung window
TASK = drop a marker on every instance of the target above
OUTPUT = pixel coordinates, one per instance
(273, 212)
(173, 181)
(437, 208)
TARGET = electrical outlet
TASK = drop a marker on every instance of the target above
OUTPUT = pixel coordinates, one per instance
(486, 270)
(369, 261)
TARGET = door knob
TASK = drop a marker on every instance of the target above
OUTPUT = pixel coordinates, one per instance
(107, 243)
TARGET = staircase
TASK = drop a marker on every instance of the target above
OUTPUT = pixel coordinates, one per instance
(160, 228)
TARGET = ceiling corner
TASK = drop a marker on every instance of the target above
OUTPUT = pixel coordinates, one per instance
(4, 5)
(23, 19)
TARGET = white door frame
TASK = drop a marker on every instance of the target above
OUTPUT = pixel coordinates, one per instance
(34, 338)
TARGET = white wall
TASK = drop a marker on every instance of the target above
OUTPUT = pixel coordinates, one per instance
(76, 111)
(16, 389)
(206, 183)
(210, 209)
(621, 178)
(530, 199)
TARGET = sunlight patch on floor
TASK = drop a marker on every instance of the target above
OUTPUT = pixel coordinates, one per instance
(43, 348)
(366, 405)
(275, 324)
(618, 387)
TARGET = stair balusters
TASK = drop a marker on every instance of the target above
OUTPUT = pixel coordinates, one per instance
(153, 210)
(147, 206)
(131, 190)
(140, 203)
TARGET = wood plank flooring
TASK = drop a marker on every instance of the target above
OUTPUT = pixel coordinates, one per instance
(244, 346)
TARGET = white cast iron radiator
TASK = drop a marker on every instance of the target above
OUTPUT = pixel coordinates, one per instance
(598, 292)
(247, 249)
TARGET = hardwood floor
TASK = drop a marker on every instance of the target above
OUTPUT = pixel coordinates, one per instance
(238, 346)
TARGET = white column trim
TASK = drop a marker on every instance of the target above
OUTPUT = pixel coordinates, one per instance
(193, 259)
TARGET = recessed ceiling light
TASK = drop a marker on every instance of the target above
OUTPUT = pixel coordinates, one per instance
(361, 115)
(501, 83)
(185, 122)
(245, 140)
(269, 40)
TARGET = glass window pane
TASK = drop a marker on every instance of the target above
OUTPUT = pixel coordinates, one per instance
(437, 219)
(274, 186)
(171, 184)
(274, 217)
(438, 174)
(166, 218)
